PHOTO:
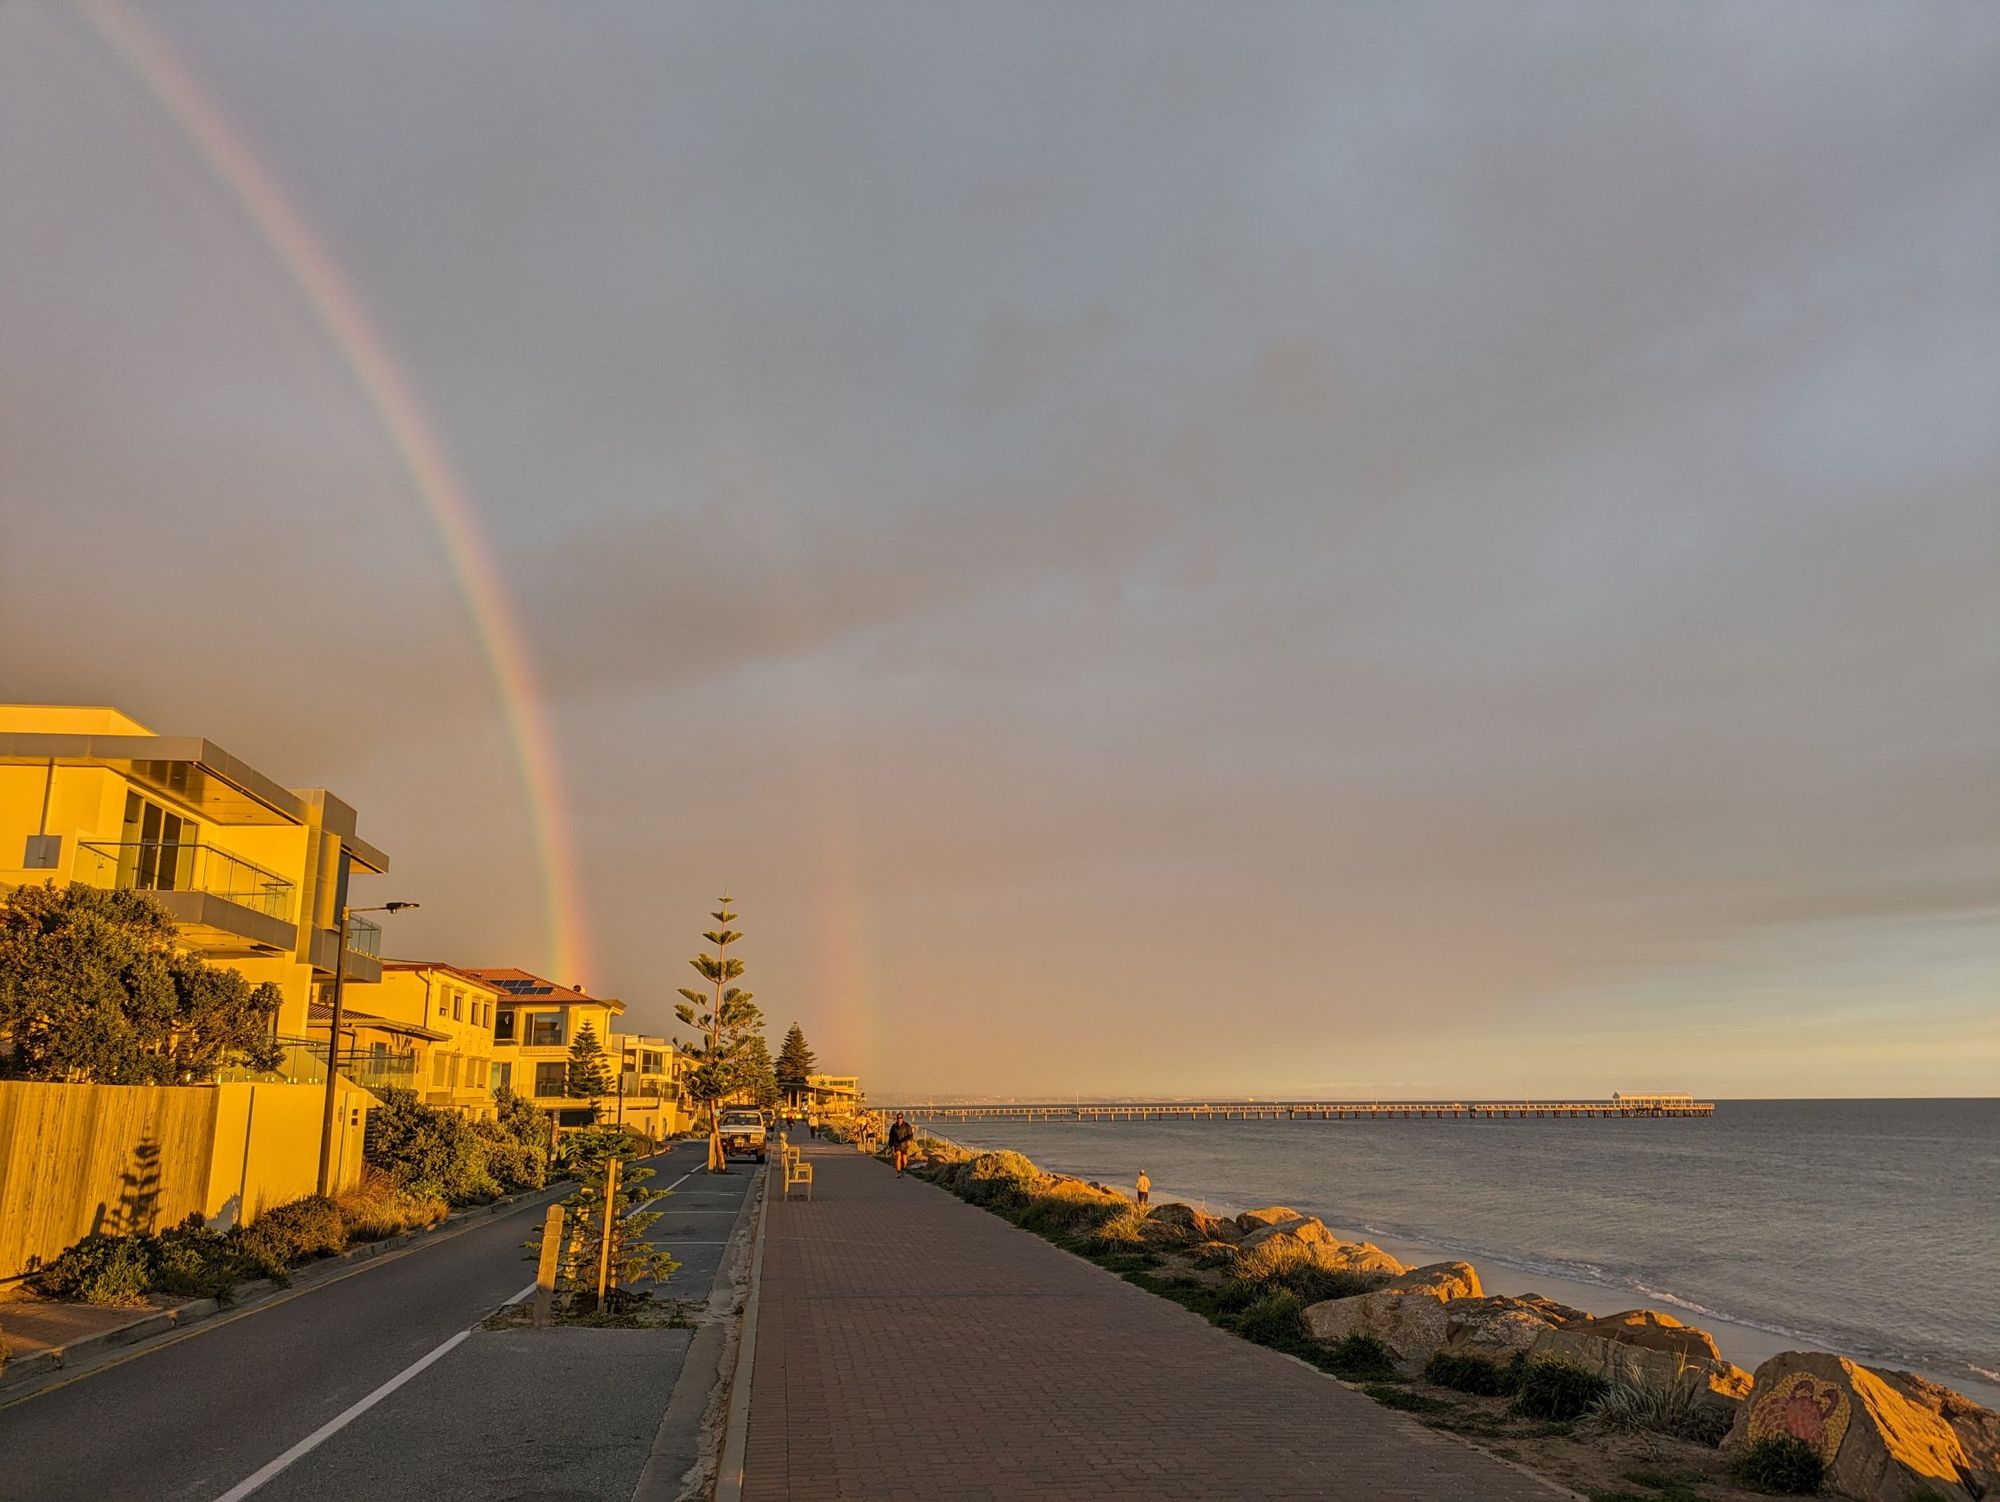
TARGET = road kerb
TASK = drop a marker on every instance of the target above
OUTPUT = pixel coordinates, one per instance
(736, 1431)
(705, 1370)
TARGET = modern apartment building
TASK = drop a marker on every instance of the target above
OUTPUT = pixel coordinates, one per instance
(648, 1098)
(535, 1021)
(425, 1026)
(254, 873)
(833, 1097)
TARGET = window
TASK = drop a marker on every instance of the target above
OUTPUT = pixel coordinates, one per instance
(441, 1071)
(503, 1077)
(549, 1078)
(653, 1063)
(458, 1006)
(545, 1030)
(444, 1001)
(503, 1026)
(475, 1071)
(158, 853)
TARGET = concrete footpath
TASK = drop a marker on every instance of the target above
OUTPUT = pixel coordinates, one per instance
(911, 1346)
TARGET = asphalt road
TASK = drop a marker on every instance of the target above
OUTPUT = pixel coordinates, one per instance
(503, 1414)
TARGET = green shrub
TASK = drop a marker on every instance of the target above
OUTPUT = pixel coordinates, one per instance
(1471, 1374)
(286, 1235)
(513, 1165)
(195, 1262)
(1557, 1390)
(1780, 1463)
(1001, 1180)
(426, 1150)
(1360, 1358)
(101, 1270)
(1277, 1319)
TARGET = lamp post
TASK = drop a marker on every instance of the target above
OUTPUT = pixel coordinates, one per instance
(333, 1037)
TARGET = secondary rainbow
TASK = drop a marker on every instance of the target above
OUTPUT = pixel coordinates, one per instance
(340, 312)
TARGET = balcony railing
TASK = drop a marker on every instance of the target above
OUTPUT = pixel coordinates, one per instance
(364, 937)
(301, 1061)
(184, 866)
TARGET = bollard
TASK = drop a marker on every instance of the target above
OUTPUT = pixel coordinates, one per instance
(546, 1266)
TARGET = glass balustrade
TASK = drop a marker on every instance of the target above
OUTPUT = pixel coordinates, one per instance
(184, 866)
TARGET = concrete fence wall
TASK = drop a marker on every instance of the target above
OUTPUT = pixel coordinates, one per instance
(132, 1158)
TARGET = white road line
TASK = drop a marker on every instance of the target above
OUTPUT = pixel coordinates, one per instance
(341, 1420)
(334, 1425)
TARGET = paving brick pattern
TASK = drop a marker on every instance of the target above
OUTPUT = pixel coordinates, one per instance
(913, 1348)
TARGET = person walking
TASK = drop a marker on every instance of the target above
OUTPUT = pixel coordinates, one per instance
(901, 1135)
(1145, 1188)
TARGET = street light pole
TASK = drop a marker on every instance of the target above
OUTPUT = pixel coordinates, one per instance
(333, 1038)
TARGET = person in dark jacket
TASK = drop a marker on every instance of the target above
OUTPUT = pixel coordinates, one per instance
(901, 1135)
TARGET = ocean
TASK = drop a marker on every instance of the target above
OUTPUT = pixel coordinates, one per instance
(1866, 1227)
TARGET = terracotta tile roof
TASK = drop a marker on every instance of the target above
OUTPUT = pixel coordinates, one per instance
(523, 985)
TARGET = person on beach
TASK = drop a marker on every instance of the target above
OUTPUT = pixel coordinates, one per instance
(1145, 1188)
(901, 1135)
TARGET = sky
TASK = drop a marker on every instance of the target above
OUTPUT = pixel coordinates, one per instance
(1322, 549)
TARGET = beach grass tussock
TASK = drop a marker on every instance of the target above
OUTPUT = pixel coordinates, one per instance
(1558, 1391)
(378, 1207)
(1280, 1263)
(1679, 1410)
(1780, 1464)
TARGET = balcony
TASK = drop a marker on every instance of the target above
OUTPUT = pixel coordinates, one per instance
(223, 903)
(364, 938)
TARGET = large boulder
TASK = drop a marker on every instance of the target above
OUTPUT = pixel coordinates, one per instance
(1978, 1429)
(1601, 1347)
(1175, 1224)
(1302, 1230)
(1411, 1325)
(1657, 1332)
(1499, 1329)
(1270, 1215)
(1441, 1280)
(1879, 1444)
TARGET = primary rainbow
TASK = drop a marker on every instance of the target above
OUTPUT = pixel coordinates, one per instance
(344, 317)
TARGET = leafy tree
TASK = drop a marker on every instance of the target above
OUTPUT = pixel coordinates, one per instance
(754, 1074)
(95, 988)
(795, 1062)
(589, 1076)
(725, 1018)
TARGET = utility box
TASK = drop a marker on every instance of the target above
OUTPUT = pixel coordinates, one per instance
(44, 852)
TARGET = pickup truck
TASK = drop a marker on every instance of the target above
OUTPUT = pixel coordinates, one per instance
(744, 1132)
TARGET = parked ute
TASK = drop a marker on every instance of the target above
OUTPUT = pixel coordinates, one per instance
(744, 1132)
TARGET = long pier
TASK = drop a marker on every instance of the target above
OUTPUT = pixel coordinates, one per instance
(1623, 1107)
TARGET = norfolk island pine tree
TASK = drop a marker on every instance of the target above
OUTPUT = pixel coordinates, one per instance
(795, 1064)
(724, 1017)
(587, 1076)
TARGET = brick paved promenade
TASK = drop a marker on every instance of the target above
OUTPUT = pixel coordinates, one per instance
(913, 1348)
